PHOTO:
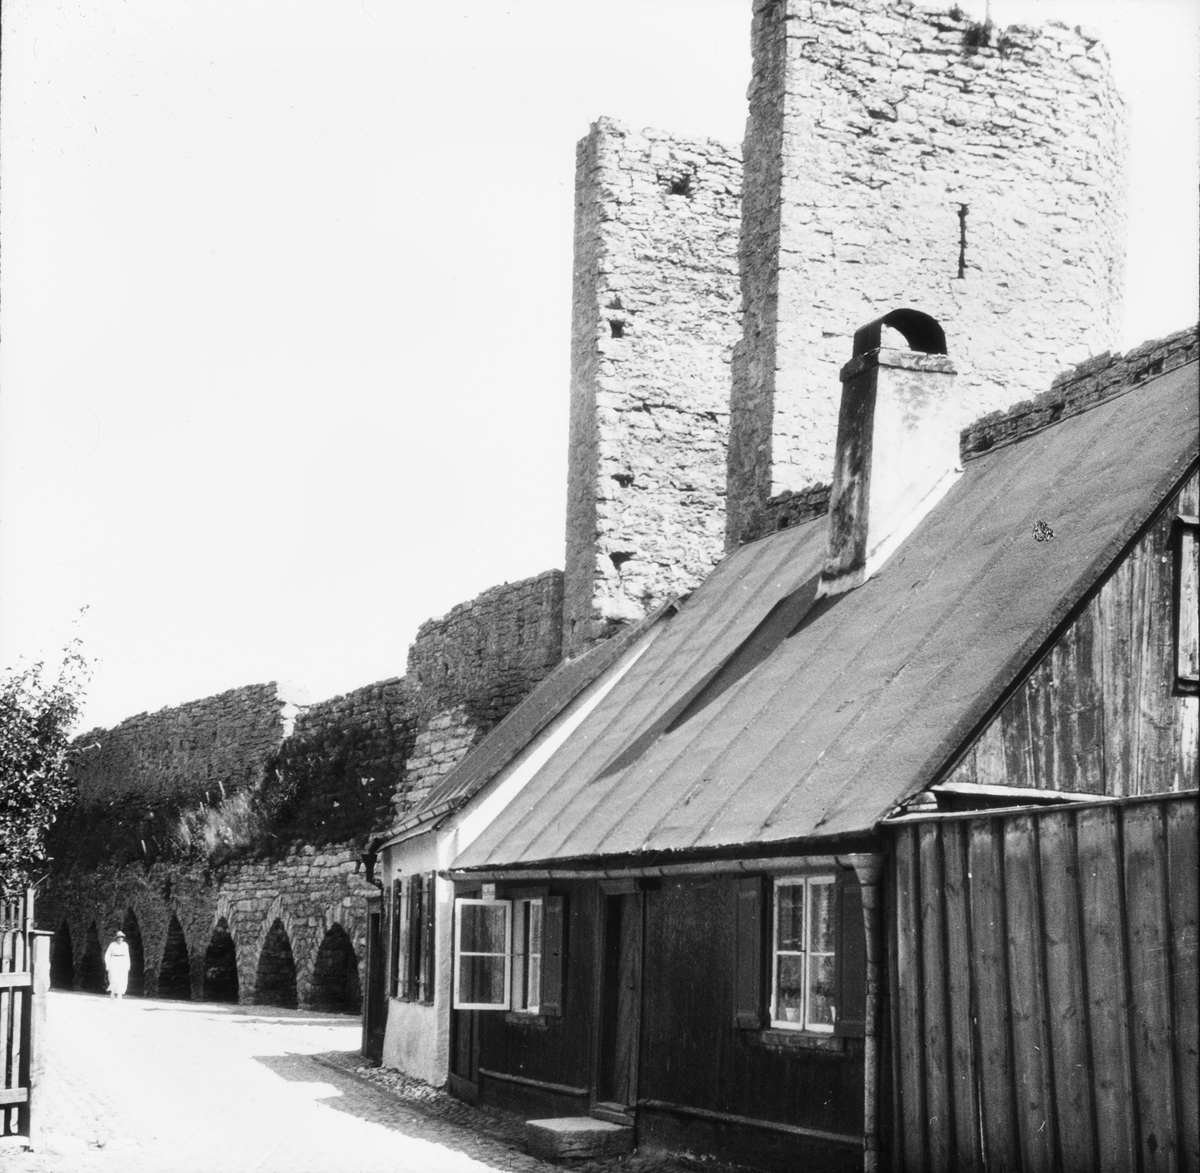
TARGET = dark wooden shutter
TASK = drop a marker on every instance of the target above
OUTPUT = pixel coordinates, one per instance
(412, 937)
(395, 930)
(748, 954)
(428, 890)
(851, 959)
(554, 938)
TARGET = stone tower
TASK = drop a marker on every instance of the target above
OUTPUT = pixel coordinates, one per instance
(655, 316)
(899, 157)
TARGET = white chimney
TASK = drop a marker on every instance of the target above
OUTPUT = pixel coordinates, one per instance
(897, 444)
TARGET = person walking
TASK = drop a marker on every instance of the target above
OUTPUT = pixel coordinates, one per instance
(116, 962)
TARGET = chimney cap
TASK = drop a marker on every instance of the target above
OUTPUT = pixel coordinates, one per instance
(921, 332)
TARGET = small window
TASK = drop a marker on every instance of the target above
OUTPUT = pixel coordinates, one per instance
(1187, 605)
(804, 958)
(527, 955)
(482, 954)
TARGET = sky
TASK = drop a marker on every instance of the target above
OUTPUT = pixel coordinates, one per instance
(285, 304)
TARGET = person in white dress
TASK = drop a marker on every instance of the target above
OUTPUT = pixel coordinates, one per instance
(116, 961)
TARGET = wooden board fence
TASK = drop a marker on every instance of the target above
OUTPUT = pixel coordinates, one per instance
(1044, 964)
(24, 980)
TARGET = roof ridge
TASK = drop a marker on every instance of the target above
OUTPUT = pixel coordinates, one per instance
(1094, 381)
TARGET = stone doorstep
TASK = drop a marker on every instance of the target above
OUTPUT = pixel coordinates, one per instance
(577, 1138)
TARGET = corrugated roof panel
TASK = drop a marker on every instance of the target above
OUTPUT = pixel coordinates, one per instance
(733, 731)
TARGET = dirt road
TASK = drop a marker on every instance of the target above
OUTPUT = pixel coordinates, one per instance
(143, 1086)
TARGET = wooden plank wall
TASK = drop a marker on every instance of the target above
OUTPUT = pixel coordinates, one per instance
(1045, 972)
(1100, 713)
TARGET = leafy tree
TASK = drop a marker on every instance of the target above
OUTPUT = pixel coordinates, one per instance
(37, 712)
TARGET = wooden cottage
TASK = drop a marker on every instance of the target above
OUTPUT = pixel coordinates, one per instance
(406, 1019)
(883, 854)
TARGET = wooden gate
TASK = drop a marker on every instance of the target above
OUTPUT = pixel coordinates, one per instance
(1044, 977)
(24, 980)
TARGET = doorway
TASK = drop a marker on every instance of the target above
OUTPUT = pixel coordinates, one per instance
(620, 1011)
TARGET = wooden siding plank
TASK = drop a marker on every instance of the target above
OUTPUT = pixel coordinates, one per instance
(910, 1081)
(938, 1110)
(1182, 900)
(960, 1019)
(1155, 765)
(1107, 986)
(1082, 754)
(1018, 739)
(1065, 991)
(990, 978)
(1150, 985)
(1116, 632)
(1031, 1050)
(990, 769)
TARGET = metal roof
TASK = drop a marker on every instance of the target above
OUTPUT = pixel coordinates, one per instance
(520, 727)
(762, 716)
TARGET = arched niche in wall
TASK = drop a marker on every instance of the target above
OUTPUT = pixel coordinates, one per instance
(275, 980)
(220, 965)
(137, 954)
(62, 959)
(92, 978)
(335, 984)
(175, 973)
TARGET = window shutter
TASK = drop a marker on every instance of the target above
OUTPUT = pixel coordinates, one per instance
(852, 960)
(427, 901)
(412, 937)
(748, 958)
(395, 930)
(554, 937)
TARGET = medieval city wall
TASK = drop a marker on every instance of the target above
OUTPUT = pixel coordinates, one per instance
(655, 315)
(897, 156)
(265, 865)
(220, 744)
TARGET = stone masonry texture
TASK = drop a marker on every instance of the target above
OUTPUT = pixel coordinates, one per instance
(220, 744)
(655, 316)
(888, 149)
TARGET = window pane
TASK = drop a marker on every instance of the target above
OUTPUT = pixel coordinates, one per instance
(533, 980)
(821, 922)
(821, 992)
(790, 903)
(481, 979)
(482, 928)
(789, 990)
(535, 926)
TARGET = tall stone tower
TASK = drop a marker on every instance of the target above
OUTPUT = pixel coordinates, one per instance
(655, 316)
(899, 157)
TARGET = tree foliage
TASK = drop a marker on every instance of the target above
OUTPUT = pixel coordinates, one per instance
(37, 712)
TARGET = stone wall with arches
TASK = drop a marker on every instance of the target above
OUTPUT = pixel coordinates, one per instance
(315, 897)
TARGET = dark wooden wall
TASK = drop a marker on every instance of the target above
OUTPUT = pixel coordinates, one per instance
(1100, 713)
(1045, 969)
(546, 1050)
(702, 1082)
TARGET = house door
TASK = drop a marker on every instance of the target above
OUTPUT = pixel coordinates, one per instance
(619, 1019)
(375, 1011)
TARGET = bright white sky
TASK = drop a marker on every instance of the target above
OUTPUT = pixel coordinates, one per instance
(286, 304)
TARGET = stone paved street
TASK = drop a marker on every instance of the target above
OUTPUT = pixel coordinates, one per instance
(146, 1086)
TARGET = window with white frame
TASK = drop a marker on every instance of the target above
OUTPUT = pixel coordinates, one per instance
(482, 953)
(527, 955)
(509, 953)
(804, 956)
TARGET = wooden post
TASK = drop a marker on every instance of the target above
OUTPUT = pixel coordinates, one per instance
(869, 869)
(34, 1054)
